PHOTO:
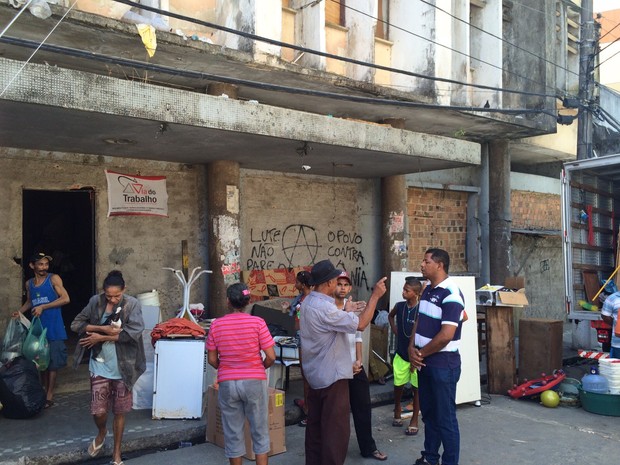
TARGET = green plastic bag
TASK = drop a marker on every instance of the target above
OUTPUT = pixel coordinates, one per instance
(36, 348)
(13, 341)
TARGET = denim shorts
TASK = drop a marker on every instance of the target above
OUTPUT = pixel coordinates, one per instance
(238, 400)
(58, 355)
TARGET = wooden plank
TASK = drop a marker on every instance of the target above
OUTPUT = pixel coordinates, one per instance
(591, 283)
(586, 266)
(594, 190)
(594, 248)
(576, 225)
(545, 336)
(501, 363)
(185, 259)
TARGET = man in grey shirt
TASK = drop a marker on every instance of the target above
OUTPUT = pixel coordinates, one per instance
(327, 363)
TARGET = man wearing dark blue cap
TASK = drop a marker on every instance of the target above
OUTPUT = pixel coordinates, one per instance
(327, 363)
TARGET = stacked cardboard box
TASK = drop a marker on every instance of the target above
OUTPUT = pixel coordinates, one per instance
(277, 436)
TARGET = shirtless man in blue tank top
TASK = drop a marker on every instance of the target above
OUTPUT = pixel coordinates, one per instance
(45, 294)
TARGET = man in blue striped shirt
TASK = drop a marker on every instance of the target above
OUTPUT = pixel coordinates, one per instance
(436, 356)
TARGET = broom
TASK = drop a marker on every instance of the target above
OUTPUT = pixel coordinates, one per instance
(593, 307)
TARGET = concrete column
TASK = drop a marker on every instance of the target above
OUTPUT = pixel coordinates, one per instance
(394, 230)
(483, 215)
(224, 236)
(499, 211)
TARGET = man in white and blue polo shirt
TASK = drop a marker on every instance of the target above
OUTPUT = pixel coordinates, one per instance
(436, 356)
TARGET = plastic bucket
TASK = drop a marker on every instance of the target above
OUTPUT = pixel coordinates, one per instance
(150, 308)
(149, 298)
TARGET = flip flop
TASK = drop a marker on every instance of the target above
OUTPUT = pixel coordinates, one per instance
(378, 455)
(117, 463)
(48, 404)
(411, 430)
(93, 449)
(397, 422)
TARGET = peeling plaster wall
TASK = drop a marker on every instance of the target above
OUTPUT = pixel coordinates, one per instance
(413, 53)
(289, 220)
(137, 245)
(361, 39)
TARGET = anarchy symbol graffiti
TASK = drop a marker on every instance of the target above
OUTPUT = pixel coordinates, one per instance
(300, 245)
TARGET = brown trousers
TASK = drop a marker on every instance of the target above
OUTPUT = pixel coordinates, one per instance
(328, 429)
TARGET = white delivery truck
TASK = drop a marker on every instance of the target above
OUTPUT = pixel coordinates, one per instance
(590, 223)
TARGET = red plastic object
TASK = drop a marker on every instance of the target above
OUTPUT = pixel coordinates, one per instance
(603, 331)
(538, 385)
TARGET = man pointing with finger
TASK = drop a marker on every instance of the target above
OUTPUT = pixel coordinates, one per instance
(327, 363)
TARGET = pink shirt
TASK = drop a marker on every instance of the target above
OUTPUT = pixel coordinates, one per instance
(238, 339)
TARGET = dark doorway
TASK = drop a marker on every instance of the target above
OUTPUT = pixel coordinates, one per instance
(61, 224)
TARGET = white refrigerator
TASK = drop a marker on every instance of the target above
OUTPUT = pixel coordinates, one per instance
(179, 373)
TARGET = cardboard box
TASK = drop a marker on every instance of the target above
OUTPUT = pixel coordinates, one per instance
(492, 295)
(277, 435)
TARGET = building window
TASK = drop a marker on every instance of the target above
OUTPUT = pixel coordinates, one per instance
(334, 12)
(383, 18)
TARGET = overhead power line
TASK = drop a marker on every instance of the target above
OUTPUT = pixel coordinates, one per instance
(69, 51)
(501, 39)
(278, 43)
(437, 43)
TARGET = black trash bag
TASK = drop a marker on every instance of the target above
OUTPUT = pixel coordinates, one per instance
(21, 393)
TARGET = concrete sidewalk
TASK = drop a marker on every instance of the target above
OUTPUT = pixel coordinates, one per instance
(62, 433)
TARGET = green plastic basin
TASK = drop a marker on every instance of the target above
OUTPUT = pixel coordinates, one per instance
(602, 404)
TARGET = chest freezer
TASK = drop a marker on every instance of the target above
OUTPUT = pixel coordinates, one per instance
(179, 379)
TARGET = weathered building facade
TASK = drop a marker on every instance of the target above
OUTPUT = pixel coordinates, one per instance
(290, 165)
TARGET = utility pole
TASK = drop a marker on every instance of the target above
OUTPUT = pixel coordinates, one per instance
(586, 81)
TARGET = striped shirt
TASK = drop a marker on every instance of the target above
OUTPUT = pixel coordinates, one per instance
(238, 339)
(441, 305)
(610, 308)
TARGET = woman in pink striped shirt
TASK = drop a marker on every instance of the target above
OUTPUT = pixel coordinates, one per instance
(234, 348)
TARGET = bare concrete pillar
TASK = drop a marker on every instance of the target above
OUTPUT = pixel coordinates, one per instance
(500, 218)
(393, 221)
(224, 236)
(394, 230)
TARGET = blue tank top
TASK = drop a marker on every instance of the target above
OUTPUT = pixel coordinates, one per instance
(52, 317)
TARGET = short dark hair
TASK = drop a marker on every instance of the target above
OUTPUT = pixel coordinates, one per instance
(238, 295)
(114, 279)
(440, 256)
(414, 283)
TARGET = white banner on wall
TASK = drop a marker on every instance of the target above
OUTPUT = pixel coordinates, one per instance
(136, 195)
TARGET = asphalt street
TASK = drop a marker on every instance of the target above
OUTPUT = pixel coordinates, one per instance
(501, 431)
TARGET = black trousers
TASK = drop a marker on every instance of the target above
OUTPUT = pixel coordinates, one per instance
(361, 408)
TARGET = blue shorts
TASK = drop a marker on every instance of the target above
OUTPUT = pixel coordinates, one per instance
(238, 399)
(58, 355)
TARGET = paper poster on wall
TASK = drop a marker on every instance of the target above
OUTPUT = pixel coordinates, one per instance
(136, 195)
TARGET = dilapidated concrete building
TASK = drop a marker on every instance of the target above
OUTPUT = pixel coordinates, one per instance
(385, 127)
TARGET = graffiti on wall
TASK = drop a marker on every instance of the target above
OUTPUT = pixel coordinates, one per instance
(299, 244)
(282, 248)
